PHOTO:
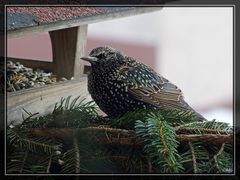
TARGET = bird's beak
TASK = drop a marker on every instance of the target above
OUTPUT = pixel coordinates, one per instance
(89, 59)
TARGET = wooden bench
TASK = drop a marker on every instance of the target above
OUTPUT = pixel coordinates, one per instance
(68, 38)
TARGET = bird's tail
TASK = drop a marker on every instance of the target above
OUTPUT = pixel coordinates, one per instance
(200, 117)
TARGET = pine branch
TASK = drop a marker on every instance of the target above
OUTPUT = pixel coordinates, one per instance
(106, 129)
(222, 158)
(49, 164)
(215, 157)
(159, 143)
(29, 115)
(76, 147)
(193, 157)
(68, 132)
(150, 168)
(200, 130)
(143, 141)
(71, 159)
(67, 113)
(33, 144)
(28, 162)
(17, 162)
(209, 138)
(23, 162)
(174, 117)
(205, 127)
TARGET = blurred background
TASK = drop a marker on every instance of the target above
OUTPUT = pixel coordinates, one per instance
(190, 46)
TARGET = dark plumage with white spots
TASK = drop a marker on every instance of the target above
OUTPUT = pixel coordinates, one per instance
(119, 84)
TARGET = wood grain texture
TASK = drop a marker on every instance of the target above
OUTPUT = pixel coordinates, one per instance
(43, 99)
(68, 46)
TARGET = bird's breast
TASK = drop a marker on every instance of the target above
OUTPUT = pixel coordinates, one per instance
(110, 92)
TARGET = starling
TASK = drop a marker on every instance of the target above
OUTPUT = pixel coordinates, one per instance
(119, 84)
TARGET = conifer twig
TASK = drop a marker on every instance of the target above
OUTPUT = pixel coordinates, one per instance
(49, 164)
(24, 159)
(75, 143)
(188, 124)
(166, 150)
(29, 141)
(107, 129)
(68, 132)
(216, 156)
(210, 138)
(65, 132)
(149, 165)
(193, 157)
(146, 141)
(203, 130)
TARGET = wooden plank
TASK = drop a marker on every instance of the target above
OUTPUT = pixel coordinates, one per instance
(68, 46)
(82, 21)
(44, 65)
(43, 99)
(30, 63)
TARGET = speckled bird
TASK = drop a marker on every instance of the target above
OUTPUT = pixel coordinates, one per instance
(119, 84)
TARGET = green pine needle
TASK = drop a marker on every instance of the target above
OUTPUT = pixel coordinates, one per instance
(155, 149)
(159, 139)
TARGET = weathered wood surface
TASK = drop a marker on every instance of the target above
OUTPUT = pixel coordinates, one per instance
(30, 63)
(44, 65)
(68, 46)
(43, 99)
(111, 13)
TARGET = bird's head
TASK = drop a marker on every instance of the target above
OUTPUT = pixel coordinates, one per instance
(105, 56)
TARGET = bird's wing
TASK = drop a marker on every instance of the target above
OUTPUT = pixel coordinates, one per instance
(148, 86)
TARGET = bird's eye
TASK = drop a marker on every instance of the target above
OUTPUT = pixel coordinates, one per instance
(100, 56)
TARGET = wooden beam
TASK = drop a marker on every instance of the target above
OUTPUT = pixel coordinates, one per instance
(42, 99)
(68, 46)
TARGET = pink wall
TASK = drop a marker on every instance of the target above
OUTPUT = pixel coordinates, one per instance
(38, 46)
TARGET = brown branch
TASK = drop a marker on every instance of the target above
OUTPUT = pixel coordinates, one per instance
(150, 168)
(216, 156)
(120, 157)
(202, 130)
(49, 164)
(193, 158)
(31, 115)
(23, 162)
(106, 129)
(130, 139)
(186, 125)
(120, 141)
(166, 150)
(210, 138)
(53, 147)
(69, 132)
(53, 132)
(77, 167)
(141, 166)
